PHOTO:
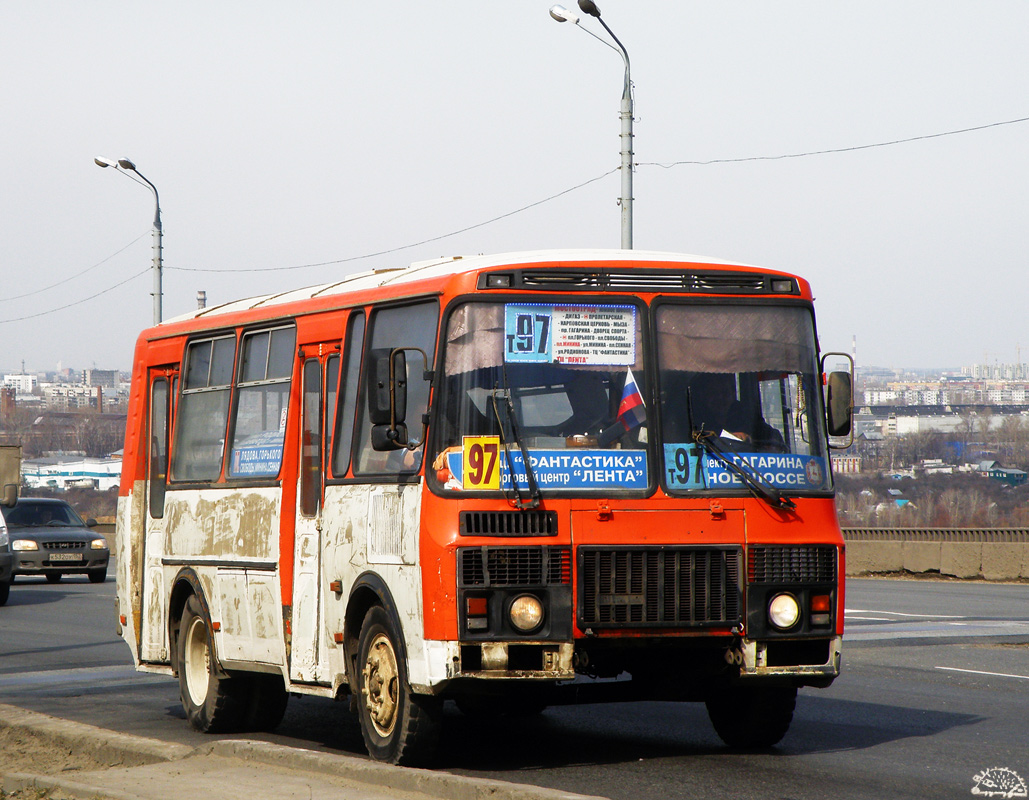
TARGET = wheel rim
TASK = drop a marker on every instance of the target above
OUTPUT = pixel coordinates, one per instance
(197, 661)
(381, 684)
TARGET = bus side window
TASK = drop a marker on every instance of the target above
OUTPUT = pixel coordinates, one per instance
(158, 472)
(310, 443)
(259, 421)
(203, 410)
(329, 414)
(408, 327)
(344, 437)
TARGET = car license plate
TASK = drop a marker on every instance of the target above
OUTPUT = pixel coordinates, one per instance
(65, 557)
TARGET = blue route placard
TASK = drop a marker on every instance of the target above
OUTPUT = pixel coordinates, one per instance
(571, 469)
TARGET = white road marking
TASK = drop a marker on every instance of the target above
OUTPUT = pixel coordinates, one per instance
(983, 672)
(901, 614)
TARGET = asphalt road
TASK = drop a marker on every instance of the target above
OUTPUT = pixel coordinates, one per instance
(935, 691)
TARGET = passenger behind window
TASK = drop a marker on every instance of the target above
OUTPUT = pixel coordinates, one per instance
(747, 425)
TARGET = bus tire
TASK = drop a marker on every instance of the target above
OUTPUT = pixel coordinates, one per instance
(752, 717)
(212, 704)
(398, 727)
(266, 704)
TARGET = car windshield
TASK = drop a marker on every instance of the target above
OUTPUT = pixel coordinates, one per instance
(31, 515)
(740, 383)
(558, 385)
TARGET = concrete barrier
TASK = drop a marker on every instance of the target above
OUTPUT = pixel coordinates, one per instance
(994, 554)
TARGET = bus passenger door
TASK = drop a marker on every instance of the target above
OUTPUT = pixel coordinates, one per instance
(308, 662)
(154, 638)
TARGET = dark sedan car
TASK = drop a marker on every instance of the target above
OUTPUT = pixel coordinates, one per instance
(48, 538)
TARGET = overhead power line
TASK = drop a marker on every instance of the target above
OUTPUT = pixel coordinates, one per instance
(406, 246)
(832, 150)
(77, 302)
(670, 165)
(63, 281)
(534, 204)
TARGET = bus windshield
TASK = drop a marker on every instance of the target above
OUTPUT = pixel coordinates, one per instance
(739, 383)
(563, 387)
(559, 384)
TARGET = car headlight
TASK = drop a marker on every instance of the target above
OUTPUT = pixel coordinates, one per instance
(98, 544)
(526, 613)
(20, 545)
(784, 611)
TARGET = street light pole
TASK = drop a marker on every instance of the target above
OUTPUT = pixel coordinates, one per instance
(561, 14)
(127, 166)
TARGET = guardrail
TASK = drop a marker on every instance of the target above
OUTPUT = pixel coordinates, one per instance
(994, 554)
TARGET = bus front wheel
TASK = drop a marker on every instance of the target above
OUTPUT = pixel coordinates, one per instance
(398, 727)
(752, 717)
(212, 704)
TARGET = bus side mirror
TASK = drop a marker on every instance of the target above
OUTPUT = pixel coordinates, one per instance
(387, 399)
(385, 437)
(387, 395)
(839, 403)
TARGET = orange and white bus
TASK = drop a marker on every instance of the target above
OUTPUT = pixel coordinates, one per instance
(509, 481)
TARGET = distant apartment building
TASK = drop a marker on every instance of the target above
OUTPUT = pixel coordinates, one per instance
(948, 392)
(880, 397)
(72, 397)
(22, 384)
(107, 378)
(846, 465)
(1011, 372)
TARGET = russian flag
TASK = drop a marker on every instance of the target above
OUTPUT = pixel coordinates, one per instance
(631, 411)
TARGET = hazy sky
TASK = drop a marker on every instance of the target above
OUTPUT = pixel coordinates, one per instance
(281, 135)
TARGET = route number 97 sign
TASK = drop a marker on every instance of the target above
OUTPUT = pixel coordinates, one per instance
(480, 462)
(600, 335)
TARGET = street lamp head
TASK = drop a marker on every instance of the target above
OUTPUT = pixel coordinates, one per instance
(100, 161)
(124, 163)
(562, 14)
(589, 7)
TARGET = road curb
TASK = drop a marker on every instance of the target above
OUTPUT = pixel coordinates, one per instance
(121, 751)
(17, 781)
(440, 785)
(103, 745)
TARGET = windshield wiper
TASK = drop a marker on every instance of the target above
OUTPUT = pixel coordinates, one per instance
(504, 410)
(753, 479)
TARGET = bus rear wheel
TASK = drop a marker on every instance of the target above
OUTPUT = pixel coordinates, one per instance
(213, 704)
(397, 726)
(752, 717)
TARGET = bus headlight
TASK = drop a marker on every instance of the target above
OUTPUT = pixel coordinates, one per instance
(526, 613)
(784, 611)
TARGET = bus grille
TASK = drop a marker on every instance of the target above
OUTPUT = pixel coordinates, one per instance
(514, 566)
(659, 587)
(641, 280)
(508, 523)
(794, 564)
